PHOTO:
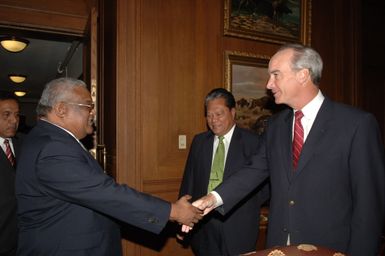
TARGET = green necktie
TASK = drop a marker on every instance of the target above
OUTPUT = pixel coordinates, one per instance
(217, 169)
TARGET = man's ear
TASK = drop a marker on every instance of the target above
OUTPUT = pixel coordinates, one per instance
(303, 75)
(60, 109)
(233, 112)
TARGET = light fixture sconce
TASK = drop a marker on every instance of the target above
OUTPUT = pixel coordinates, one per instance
(20, 93)
(17, 78)
(13, 44)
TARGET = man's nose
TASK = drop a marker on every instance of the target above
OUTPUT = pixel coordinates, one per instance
(93, 112)
(13, 119)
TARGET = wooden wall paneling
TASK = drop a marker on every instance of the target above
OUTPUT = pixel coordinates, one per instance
(323, 31)
(167, 61)
(334, 37)
(67, 16)
(168, 82)
(347, 19)
(128, 116)
(210, 33)
(168, 71)
(73, 7)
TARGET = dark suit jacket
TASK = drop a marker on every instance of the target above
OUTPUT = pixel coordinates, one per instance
(8, 220)
(67, 205)
(336, 197)
(240, 227)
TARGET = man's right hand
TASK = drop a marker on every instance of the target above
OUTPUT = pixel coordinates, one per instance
(185, 213)
(206, 204)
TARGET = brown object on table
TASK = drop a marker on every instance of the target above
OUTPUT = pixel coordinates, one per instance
(297, 250)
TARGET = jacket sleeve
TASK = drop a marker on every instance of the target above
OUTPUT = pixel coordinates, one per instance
(65, 172)
(244, 181)
(367, 179)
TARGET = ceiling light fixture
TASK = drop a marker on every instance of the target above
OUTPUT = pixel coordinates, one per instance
(17, 78)
(13, 44)
(20, 93)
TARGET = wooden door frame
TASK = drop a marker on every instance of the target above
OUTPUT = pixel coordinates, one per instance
(20, 21)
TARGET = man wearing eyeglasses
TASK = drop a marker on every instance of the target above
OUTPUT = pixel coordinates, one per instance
(67, 205)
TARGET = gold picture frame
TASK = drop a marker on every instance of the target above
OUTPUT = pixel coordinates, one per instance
(270, 21)
(246, 75)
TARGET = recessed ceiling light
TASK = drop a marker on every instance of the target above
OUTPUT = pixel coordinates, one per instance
(20, 93)
(17, 78)
(13, 44)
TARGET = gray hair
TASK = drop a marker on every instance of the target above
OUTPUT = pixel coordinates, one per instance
(56, 91)
(306, 58)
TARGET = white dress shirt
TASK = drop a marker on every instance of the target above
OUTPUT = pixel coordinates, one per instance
(226, 142)
(310, 112)
(10, 144)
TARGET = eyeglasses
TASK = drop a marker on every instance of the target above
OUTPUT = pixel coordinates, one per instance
(89, 106)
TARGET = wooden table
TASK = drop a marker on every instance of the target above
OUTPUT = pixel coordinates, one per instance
(297, 250)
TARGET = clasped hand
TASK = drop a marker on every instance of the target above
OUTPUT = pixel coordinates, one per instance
(206, 204)
(185, 213)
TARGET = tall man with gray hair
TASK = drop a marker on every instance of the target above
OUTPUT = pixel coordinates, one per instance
(325, 161)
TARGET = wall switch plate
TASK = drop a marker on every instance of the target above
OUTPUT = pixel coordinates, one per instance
(182, 144)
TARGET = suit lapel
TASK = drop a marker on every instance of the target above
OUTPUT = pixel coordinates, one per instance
(4, 158)
(53, 129)
(285, 138)
(315, 135)
(207, 153)
(234, 152)
(16, 147)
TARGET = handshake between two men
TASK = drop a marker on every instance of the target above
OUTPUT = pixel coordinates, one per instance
(188, 214)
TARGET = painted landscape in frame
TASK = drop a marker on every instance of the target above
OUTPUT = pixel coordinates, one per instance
(246, 77)
(269, 20)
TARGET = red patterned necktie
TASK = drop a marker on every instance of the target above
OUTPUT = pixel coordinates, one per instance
(9, 153)
(298, 138)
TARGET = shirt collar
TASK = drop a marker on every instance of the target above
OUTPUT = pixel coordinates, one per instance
(311, 109)
(228, 135)
(2, 140)
(67, 131)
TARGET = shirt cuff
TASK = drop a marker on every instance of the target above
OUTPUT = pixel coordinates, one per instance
(218, 199)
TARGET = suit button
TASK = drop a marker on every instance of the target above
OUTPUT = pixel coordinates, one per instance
(291, 202)
(284, 230)
(153, 220)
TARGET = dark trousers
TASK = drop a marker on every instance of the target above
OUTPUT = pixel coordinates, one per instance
(213, 243)
(12, 252)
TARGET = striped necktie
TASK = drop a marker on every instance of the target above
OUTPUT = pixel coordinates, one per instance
(298, 138)
(8, 152)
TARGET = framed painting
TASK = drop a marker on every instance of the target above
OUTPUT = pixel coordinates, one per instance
(246, 76)
(273, 21)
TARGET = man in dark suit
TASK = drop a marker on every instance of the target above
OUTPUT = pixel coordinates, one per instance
(10, 145)
(67, 205)
(334, 195)
(237, 232)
